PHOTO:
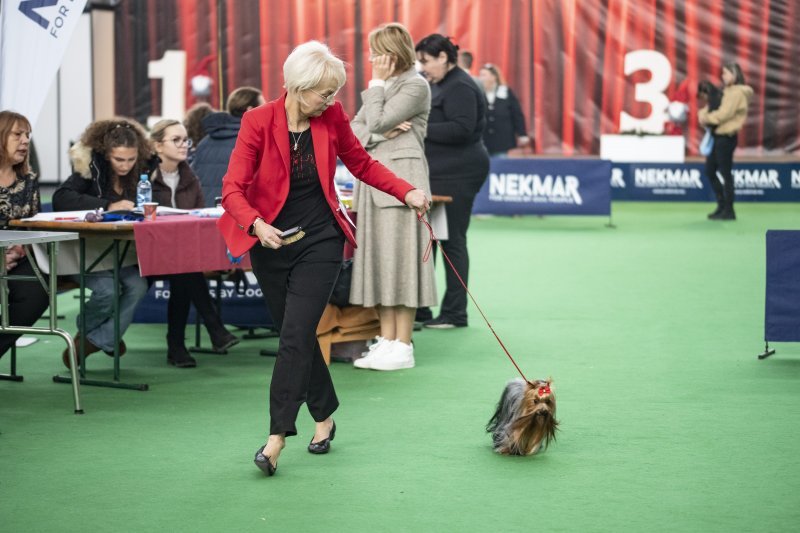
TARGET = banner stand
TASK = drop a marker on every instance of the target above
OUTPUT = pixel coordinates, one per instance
(767, 351)
(782, 298)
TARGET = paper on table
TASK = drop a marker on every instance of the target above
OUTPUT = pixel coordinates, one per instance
(208, 212)
(60, 215)
(438, 220)
(164, 210)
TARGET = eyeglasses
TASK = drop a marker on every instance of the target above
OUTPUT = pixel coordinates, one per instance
(17, 135)
(327, 99)
(180, 141)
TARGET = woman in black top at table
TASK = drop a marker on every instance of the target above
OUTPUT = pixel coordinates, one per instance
(107, 163)
(458, 161)
(175, 185)
(19, 198)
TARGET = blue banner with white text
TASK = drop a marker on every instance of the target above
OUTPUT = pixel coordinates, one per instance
(241, 305)
(546, 187)
(669, 182)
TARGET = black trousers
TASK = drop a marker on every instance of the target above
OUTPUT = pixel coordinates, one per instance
(459, 213)
(721, 160)
(186, 289)
(27, 302)
(297, 281)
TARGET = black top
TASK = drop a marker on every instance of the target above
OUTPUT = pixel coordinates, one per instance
(504, 122)
(80, 193)
(21, 200)
(453, 144)
(305, 205)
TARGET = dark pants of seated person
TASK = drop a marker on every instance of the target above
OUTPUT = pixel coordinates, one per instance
(27, 301)
(297, 281)
(186, 289)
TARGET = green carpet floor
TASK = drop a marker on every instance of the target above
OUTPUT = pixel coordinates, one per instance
(650, 331)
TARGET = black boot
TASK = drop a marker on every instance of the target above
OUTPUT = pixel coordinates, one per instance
(178, 355)
(221, 338)
(720, 207)
(727, 208)
(716, 213)
(423, 314)
(727, 214)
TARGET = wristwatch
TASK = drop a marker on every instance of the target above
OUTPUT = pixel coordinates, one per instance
(252, 229)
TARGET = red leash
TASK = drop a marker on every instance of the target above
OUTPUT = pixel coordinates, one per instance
(427, 255)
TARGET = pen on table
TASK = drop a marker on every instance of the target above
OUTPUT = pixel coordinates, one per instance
(66, 218)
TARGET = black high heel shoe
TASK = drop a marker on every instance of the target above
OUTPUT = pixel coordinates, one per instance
(323, 446)
(263, 463)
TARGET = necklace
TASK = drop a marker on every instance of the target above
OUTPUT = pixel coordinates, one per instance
(296, 139)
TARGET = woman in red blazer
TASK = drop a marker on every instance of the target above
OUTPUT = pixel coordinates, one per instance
(280, 176)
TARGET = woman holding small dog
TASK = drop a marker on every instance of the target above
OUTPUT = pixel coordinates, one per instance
(726, 120)
(388, 271)
(280, 176)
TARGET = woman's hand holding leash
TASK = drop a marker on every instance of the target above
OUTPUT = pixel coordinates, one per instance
(416, 199)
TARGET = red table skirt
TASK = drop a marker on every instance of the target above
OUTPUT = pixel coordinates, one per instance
(181, 243)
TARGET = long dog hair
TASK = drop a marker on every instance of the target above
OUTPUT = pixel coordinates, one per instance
(525, 420)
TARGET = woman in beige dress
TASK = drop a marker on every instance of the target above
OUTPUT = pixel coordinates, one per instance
(388, 271)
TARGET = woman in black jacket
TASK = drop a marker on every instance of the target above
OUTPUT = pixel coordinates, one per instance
(457, 158)
(210, 160)
(505, 123)
(107, 163)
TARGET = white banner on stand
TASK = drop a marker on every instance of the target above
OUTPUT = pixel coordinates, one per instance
(33, 38)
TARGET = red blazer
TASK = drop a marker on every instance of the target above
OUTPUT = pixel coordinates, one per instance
(257, 181)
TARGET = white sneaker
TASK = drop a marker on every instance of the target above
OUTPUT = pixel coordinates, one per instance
(367, 356)
(399, 355)
(373, 345)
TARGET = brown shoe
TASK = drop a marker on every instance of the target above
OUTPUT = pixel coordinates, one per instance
(123, 348)
(90, 349)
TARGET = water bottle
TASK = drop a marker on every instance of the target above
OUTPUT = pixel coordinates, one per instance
(144, 191)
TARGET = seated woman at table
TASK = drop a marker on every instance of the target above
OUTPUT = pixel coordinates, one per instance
(175, 185)
(19, 198)
(107, 163)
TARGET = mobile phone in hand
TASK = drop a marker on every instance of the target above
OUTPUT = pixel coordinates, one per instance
(291, 231)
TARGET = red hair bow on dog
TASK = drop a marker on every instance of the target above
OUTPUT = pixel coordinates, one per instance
(544, 390)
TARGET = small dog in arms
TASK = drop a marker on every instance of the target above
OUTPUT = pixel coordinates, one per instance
(525, 420)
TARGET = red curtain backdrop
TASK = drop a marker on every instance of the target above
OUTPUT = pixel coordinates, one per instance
(563, 58)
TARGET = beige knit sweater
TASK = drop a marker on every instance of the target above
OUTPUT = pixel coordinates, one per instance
(732, 112)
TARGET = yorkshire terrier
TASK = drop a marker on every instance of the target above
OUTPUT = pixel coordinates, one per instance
(525, 420)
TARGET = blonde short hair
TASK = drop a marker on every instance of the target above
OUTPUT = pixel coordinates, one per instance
(310, 65)
(160, 129)
(394, 40)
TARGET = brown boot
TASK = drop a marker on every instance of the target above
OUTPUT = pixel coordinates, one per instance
(90, 349)
(123, 348)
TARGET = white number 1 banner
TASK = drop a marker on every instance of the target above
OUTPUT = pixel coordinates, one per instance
(33, 38)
